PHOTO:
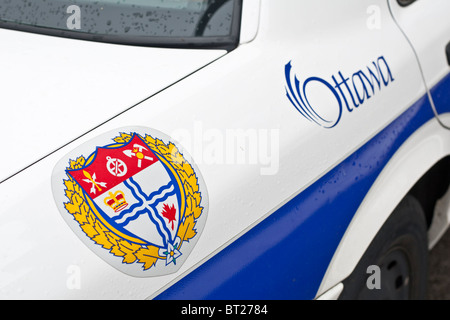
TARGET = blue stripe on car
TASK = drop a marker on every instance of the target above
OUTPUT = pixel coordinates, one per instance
(287, 254)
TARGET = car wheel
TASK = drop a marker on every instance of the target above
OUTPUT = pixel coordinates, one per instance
(395, 266)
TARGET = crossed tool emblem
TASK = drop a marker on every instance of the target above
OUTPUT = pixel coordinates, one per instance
(138, 152)
(92, 180)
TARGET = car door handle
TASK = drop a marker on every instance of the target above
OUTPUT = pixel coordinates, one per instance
(447, 50)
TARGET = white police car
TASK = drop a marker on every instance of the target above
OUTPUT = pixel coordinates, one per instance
(222, 149)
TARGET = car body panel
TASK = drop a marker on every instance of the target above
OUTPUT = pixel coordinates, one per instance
(55, 85)
(305, 232)
(262, 206)
(418, 154)
(427, 27)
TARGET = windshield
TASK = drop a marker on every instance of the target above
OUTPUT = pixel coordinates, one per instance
(166, 23)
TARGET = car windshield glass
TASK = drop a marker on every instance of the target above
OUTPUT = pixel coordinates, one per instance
(179, 23)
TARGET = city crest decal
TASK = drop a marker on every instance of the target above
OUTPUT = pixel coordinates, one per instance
(135, 198)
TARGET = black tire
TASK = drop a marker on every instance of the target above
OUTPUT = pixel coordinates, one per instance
(400, 250)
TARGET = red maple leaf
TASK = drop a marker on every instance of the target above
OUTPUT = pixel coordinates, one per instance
(169, 213)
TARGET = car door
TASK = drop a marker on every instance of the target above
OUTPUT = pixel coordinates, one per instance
(427, 26)
(343, 87)
(322, 97)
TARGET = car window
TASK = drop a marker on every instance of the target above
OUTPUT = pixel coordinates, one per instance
(180, 23)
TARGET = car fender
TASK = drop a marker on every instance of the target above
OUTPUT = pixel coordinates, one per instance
(414, 158)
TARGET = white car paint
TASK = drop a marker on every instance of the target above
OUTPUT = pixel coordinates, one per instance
(48, 80)
(426, 147)
(333, 293)
(427, 26)
(243, 89)
(250, 20)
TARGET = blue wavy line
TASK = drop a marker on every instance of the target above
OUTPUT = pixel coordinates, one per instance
(134, 206)
(141, 196)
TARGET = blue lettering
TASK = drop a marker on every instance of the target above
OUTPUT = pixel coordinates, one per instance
(361, 81)
(374, 77)
(359, 75)
(338, 86)
(330, 87)
(344, 81)
(387, 79)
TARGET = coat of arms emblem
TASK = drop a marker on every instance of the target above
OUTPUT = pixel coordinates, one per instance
(137, 201)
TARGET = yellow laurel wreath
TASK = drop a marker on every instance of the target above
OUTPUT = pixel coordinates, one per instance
(131, 252)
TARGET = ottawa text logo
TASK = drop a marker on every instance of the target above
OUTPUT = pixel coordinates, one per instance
(323, 102)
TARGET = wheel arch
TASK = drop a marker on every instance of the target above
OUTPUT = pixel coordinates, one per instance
(421, 159)
(431, 187)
